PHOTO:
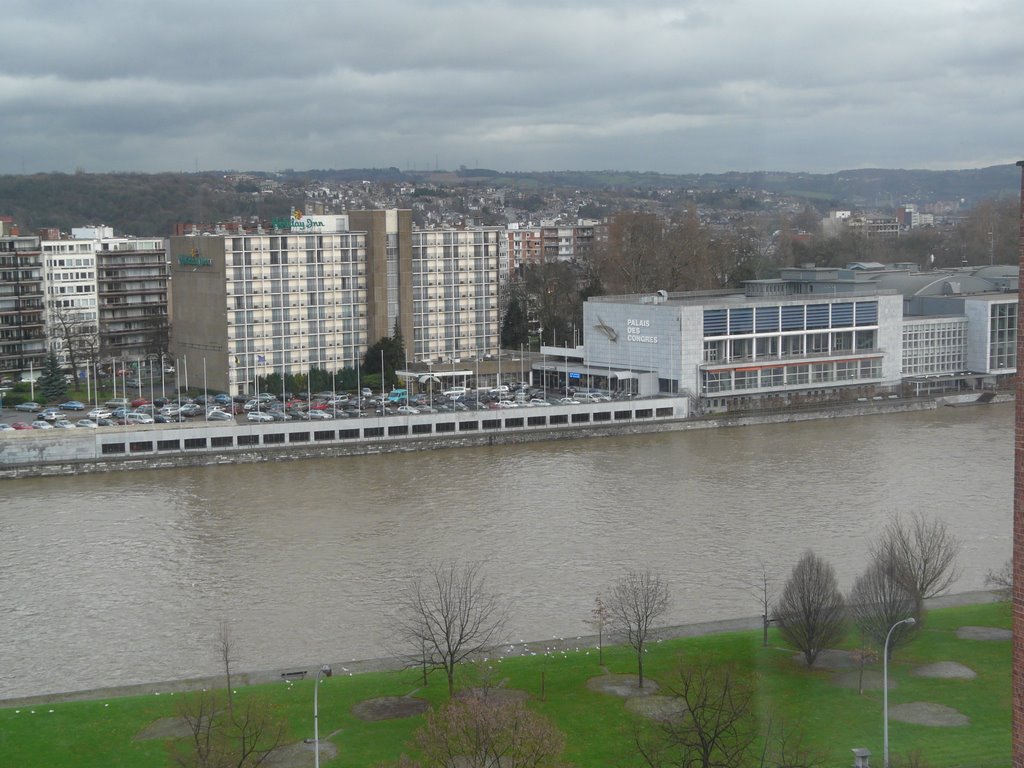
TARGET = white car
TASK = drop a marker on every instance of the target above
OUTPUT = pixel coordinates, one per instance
(86, 424)
(135, 417)
(408, 409)
(40, 424)
(98, 413)
(538, 401)
(259, 416)
(219, 416)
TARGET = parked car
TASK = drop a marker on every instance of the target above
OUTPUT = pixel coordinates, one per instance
(105, 423)
(319, 415)
(86, 424)
(191, 409)
(72, 405)
(19, 425)
(63, 424)
(219, 416)
(40, 424)
(408, 409)
(5, 427)
(139, 401)
(259, 416)
(50, 414)
(116, 402)
(137, 417)
(99, 413)
(29, 407)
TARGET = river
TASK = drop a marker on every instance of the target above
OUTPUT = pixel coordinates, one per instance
(126, 577)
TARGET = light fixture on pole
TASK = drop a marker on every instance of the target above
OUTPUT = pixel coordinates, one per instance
(325, 670)
(909, 621)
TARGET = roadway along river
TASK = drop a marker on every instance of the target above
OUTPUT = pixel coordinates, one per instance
(126, 577)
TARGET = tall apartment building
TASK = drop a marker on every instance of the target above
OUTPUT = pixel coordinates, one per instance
(22, 312)
(454, 308)
(316, 291)
(550, 241)
(69, 282)
(131, 293)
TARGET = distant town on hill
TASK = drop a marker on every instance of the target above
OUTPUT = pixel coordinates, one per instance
(151, 204)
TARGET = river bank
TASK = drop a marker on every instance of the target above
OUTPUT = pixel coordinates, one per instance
(358, 666)
(44, 454)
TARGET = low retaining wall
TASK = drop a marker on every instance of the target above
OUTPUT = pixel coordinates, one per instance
(67, 452)
(357, 666)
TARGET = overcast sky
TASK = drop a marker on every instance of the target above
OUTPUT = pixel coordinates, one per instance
(645, 85)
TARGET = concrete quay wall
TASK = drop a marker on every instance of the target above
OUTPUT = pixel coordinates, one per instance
(69, 452)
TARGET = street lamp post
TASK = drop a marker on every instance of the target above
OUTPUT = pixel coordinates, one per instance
(885, 689)
(325, 670)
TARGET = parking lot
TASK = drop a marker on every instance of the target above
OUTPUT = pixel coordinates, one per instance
(268, 408)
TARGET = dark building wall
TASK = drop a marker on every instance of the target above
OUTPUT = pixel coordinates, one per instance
(199, 309)
(1018, 523)
(374, 223)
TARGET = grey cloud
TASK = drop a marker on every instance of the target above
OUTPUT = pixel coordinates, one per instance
(652, 85)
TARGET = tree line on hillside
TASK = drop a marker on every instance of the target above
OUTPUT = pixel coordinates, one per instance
(644, 253)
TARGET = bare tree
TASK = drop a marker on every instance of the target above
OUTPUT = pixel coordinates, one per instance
(449, 616)
(221, 737)
(862, 657)
(810, 612)
(881, 597)
(78, 335)
(485, 732)
(714, 724)
(599, 618)
(783, 746)
(222, 734)
(224, 649)
(636, 602)
(924, 551)
(1001, 580)
(762, 586)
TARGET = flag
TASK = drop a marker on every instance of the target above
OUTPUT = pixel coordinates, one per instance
(237, 362)
(261, 359)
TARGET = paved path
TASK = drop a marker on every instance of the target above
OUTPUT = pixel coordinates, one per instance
(376, 665)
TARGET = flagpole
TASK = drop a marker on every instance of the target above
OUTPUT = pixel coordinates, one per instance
(206, 401)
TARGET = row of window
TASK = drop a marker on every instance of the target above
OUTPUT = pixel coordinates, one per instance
(789, 317)
(784, 376)
(796, 345)
(339, 241)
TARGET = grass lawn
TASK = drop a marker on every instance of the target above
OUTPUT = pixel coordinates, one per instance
(597, 726)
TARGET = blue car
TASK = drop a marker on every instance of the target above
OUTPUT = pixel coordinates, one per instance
(72, 405)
